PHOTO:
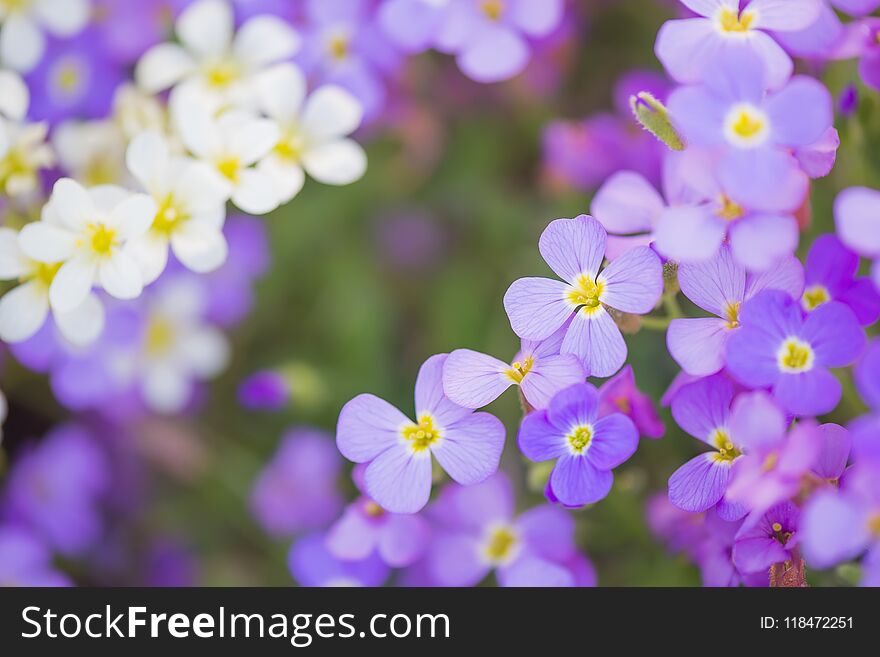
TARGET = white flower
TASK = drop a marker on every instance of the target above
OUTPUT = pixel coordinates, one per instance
(91, 238)
(21, 36)
(92, 152)
(191, 197)
(313, 132)
(14, 96)
(179, 348)
(23, 151)
(136, 112)
(210, 60)
(24, 309)
(231, 143)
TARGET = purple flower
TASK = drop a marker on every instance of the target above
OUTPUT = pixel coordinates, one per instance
(264, 390)
(866, 429)
(574, 249)
(586, 447)
(753, 130)
(777, 348)
(297, 490)
(365, 527)
(473, 380)
(619, 394)
(835, 444)
(869, 62)
(703, 410)
(477, 531)
(857, 214)
(412, 24)
(312, 564)
(467, 445)
(680, 530)
(55, 489)
(490, 38)
(767, 539)
(128, 28)
(831, 276)
(687, 47)
(720, 286)
(25, 561)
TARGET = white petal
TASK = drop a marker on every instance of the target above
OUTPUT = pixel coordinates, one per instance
(205, 351)
(44, 242)
(331, 112)
(201, 188)
(205, 27)
(120, 276)
(165, 388)
(288, 177)
(13, 262)
(63, 18)
(73, 204)
(163, 66)
(84, 324)
(14, 96)
(195, 123)
(281, 91)
(147, 158)
(21, 43)
(255, 192)
(336, 163)
(106, 197)
(265, 40)
(199, 247)
(134, 216)
(23, 311)
(251, 139)
(72, 284)
(151, 254)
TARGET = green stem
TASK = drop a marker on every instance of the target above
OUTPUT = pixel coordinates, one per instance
(655, 323)
(673, 310)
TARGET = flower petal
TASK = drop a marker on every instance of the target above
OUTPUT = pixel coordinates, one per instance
(633, 282)
(699, 484)
(716, 284)
(573, 246)
(163, 66)
(23, 311)
(339, 162)
(703, 406)
(83, 325)
(43, 242)
(471, 448)
(430, 397)
(199, 248)
(627, 203)
(120, 276)
(615, 439)
(264, 40)
(549, 375)
(576, 482)
(72, 284)
(698, 344)
(597, 341)
(330, 112)
(206, 27)
(398, 480)
(539, 440)
(536, 307)
(367, 427)
(473, 380)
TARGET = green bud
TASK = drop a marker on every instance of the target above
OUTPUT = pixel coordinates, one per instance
(654, 117)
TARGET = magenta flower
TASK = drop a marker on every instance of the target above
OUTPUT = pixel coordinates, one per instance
(767, 539)
(619, 394)
(312, 564)
(857, 215)
(831, 276)
(574, 249)
(478, 531)
(777, 348)
(720, 286)
(467, 445)
(687, 47)
(586, 447)
(473, 380)
(754, 130)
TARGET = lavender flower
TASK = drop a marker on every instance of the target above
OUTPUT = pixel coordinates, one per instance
(467, 445)
(777, 348)
(768, 539)
(831, 276)
(857, 214)
(574, 249)
(311, 564)
(25, 561)
(586, 447)
(619, 394)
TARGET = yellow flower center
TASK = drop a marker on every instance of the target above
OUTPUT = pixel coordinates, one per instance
(746, 126)
(776, 527)
(727, 451)
(729, 210)
(229, 167)
(585, 293)
(874, 524)
(579, 439)
(422, 435)
(68, 77)
(222, 73)
(518, 370)
(169, 217)
(501, 544)
(44, 274)
(815, 296)
(795, 356)
(291, 145)
(160, 336)
(338, 45)
(731, 313)
(373, 510)
(102, 239)
(493, 9)
(14, 5)
(731, 20)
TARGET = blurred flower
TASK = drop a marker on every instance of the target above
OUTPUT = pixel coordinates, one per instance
(297, 490)
(412, 24)
(834, 450)
(92, 152)
(467, 445)
(474, 380)
(777, 348)
(477, 531)
(25, 561)
(313, 132)
(128, 28)
(831, 276)
(411, 241)
(264, 390)
(857, 215)
(767, 539)
(170, 564)
(312, 564)
(574, 250)
(619, 394)
(586, 447)
(55, 488)
(23, 151)
(720, 286)
(22, 41)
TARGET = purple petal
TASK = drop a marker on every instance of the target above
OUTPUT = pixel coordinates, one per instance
(597, 341)
(367, 427)
(760, 240)
(615, 439)
(474, 508)
(698, 345)
(785, 15)
(863, 298)
(454, 560)
(703, 406)
(833, 529)
(575, 481)
(539, 440)
(471, 448)
(800, 113)
(685, 46)
(548, 376)
(756, 422)
(689, 233)
(857, 214)
(353, 536)
(714, 285)
(536, 307)
(698, 113)
(573, 246)
(627, 203)
(867, 375)
(633, 282)
(537, 19)
(575, 406)
(546, 347)
(835, 335)
(699, 484)
(547, 531)
(429, 394)
(786, 274)
(835, 445)
(757, 554)
(831, 264)
(403, 540)
(311, 564)
(398, 480)
(751, 176)
(493, 54)
(472, 379)
(808, 393)
(529, 571)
